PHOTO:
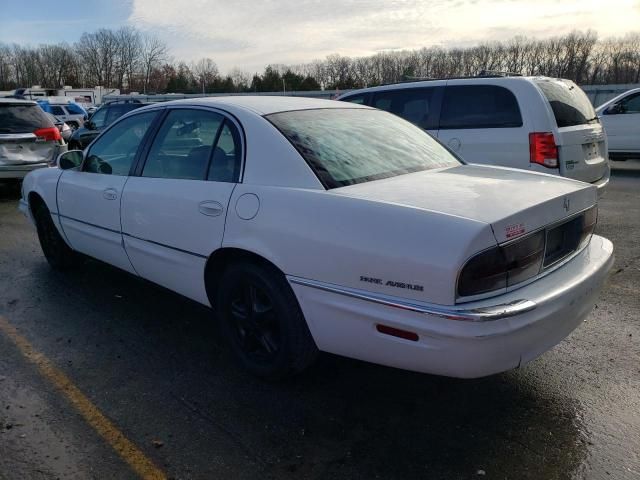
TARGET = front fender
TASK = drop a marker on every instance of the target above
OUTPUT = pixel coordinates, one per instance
(43, 183)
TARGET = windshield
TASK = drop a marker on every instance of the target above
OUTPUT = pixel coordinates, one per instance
(348, 146)
(569, 103)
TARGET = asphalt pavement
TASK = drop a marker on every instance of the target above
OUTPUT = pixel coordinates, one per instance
(95, 357)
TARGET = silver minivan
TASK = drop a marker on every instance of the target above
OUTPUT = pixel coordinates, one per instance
(534, 123)
(28, 138)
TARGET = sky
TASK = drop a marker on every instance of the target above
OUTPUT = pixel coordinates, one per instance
(251, 34)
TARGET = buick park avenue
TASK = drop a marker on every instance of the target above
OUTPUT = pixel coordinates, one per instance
(311, 225)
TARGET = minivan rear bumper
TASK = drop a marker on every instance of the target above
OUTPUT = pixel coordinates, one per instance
(601, 184)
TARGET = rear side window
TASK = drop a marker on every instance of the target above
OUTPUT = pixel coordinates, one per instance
(569, 103)
(414, 104)
(479, 106)
(74, 109)
(22, 118)
(57, 110)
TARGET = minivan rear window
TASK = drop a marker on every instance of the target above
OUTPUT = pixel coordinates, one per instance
(569, 103)
(22, 118)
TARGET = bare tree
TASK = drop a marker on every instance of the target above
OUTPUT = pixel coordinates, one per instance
(152, 53)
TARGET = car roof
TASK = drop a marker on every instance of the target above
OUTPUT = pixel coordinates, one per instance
(437, 82)
(260, 104)
(17, 101)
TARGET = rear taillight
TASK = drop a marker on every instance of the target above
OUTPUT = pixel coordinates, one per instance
(519, 260)
(503, 266)
(543, 149)
(48, 134)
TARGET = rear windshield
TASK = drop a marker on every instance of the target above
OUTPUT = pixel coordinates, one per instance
(22, 118)
(569, 103)
(349, 146)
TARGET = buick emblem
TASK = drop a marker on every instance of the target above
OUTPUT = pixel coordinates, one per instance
(567, 204)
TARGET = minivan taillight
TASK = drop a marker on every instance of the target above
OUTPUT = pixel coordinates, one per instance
(48, 134)
(543, 149)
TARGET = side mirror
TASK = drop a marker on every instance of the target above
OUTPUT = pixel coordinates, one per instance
(70, 159)
(89, 125)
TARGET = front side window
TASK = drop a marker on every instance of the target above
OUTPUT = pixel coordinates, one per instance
(185, 144)
(631, 104)
(412, 104)
(348, 146)
(113, 153)
(479, 106)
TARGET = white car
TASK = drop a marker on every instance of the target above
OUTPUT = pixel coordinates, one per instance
(621, 119)
(539, 124)
(319, 225)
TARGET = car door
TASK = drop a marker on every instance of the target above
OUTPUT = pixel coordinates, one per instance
(417, 105)
(174, 209)
(483, 124)
(89, 197)
(622, 124)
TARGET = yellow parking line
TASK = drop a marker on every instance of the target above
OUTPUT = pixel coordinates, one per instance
(137, 460)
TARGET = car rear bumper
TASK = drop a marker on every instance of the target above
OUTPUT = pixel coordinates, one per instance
(19, 171)
(456, 346)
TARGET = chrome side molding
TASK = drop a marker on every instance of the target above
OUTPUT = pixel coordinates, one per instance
(484, 314)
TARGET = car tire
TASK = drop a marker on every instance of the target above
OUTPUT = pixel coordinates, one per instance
(59, 255)
(262, 321)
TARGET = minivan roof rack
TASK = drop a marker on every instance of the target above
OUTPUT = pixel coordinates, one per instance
(122, 100)
(481, 74)
(497, 73)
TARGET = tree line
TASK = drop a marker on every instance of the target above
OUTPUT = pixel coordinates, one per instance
(131, 60)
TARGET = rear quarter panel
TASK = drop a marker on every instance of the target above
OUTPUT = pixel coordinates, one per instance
(336, 239)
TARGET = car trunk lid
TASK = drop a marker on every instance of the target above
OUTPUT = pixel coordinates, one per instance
(513, 202)
(25, 148)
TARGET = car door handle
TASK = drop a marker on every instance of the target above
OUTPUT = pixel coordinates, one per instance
(210, 208)
(110, 194)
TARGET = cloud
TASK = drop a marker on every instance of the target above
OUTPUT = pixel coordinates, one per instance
(252, 34)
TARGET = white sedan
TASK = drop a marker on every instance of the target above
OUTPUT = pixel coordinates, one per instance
(313, 225)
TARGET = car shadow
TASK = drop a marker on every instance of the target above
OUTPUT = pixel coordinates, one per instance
(9, 190)
(341, 419)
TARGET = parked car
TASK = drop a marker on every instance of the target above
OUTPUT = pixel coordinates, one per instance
(317, 225)
(28, 138)
(70, 112)
(101, 119)
(534, 123)
(621, 120)
(63, 128)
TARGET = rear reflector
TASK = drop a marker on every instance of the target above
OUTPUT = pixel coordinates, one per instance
(48, 134)
(543, 149)
(396, 332)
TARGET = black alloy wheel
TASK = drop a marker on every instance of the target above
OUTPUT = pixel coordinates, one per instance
(263, 322)
(254, 321)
